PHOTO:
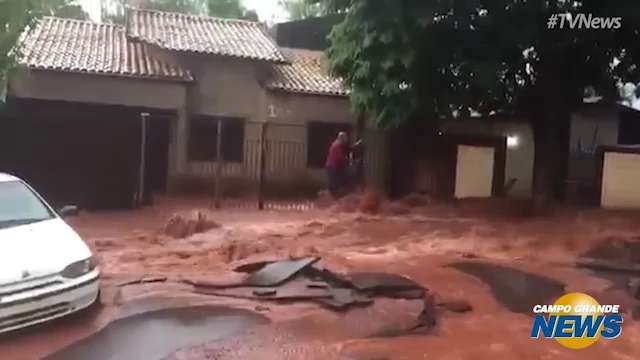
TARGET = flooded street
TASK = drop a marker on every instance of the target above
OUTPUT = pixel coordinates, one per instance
(484, 272)
(319, 180)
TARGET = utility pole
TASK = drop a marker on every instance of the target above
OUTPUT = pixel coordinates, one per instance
(262, 167)
(219, 164)
(143, 155)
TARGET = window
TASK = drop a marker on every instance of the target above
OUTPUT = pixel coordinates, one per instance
(320, 135)
(204, 136)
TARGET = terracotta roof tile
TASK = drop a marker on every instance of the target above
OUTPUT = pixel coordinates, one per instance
(307, 73)
(201, 34)
(86, 47)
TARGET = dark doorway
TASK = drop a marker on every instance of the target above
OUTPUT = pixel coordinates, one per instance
(629, 127)
(203, 139)
(410, 145)
(159, 132)
(7, 139)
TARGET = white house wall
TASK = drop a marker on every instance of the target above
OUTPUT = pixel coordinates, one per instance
(226, 87)
(97, 89)
(590, 128)
(300, 108)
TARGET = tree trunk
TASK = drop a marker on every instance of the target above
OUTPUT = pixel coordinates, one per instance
(551, 127)
(360, 171)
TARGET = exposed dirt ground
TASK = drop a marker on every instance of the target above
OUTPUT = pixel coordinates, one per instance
(419, 242)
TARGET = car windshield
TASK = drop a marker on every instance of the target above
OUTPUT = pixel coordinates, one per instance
(20, 206)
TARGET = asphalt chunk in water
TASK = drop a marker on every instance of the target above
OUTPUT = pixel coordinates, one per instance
(277, 273)
(381, 283)
(624, 291)
(294, 290)
(617, 250)
(252, 267)
(155, 335)
(517, 290)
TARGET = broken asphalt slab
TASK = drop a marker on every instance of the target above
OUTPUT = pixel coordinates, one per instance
(381, 283)
(305, 280)
(616, 250)
(294, 290)
(276, 273)
(261, 274)
(609, 265)
(252, 267)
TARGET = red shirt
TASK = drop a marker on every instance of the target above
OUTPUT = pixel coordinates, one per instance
(337, 158)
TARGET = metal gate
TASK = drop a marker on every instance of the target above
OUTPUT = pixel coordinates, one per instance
(284, 163)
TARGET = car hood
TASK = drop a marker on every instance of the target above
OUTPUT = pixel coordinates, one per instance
(41, 249)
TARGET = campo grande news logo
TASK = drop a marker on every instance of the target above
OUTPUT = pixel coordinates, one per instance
(577, 321)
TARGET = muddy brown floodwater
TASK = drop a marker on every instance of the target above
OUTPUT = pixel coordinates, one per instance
(494, 258)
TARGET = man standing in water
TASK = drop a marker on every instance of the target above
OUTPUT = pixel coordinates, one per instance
(336, 165)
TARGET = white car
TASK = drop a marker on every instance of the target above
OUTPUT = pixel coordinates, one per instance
(46, 270)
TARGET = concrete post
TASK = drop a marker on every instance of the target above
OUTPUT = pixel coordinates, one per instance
(219, 165)
(262, 167)
(182, 140)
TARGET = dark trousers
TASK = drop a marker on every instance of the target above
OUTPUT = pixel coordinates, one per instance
(337, 181)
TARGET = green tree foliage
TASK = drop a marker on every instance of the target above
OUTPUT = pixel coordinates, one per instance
(232, 9)
(476, 54)
(302, 9)
(251, 15)
(16, 15)
(71, 11)
(412, 59)
(114, 10)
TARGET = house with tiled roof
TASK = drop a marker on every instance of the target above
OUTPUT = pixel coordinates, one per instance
(145, 100)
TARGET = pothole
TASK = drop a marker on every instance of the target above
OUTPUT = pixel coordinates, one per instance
(517, 290)
(155, 335)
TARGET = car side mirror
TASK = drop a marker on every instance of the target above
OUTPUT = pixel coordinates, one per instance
(69, 211)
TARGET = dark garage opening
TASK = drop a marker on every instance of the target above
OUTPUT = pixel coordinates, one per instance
(84, 154)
